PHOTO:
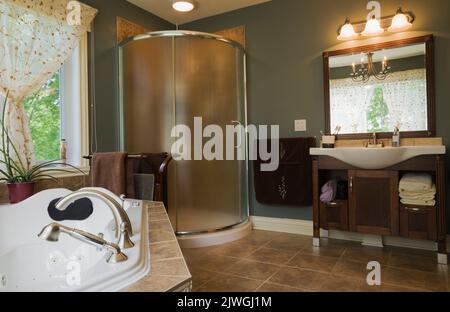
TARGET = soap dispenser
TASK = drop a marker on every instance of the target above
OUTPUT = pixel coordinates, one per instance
(396, 137)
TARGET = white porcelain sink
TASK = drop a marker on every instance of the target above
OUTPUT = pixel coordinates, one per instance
(377, 158)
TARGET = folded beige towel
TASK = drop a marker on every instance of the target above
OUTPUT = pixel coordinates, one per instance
(418, 202)
(413, 182)
(431, 192)
(418, 198)
(419, 195)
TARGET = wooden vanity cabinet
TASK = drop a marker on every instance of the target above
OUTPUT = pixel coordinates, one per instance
(334, 215)
(373, 205)
(373, 202)
(418, 222)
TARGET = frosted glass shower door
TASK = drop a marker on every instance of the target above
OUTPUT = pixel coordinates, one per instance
(147, 95)
(209, 83)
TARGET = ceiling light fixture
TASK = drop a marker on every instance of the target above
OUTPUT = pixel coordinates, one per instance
(364, 72)
(183, 6)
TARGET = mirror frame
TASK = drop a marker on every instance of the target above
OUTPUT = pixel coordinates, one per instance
(431, 102)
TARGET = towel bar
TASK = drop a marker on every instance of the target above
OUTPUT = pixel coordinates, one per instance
(89, 157)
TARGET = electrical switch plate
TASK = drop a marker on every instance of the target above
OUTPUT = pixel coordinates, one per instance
(300, 125)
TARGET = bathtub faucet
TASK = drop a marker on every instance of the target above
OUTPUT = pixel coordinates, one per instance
(52, 232)
(122, 221)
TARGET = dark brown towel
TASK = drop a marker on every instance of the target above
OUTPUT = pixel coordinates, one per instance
(130, 164)
(147, 164)
(109, 171)
(291, 184)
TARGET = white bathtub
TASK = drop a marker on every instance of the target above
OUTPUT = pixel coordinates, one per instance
(30, 264)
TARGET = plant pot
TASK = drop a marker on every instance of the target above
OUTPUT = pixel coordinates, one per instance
(18, 192)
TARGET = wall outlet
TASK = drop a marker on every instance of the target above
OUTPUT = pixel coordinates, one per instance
(300, 125)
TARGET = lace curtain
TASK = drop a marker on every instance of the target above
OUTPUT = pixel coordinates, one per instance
(36, 38)
(404, 92)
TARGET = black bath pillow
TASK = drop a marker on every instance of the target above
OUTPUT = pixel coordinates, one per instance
(80, 210)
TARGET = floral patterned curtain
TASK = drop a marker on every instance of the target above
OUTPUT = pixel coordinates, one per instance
(36, 38)
(405, 93)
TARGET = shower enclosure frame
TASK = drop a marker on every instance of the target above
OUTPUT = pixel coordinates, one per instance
(121, 107)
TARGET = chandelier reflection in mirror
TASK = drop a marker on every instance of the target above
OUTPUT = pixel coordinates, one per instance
(365, 71)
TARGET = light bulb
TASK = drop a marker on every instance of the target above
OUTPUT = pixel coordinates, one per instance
(373, 28)
(347, 32)
(400, 22)
(183, 6)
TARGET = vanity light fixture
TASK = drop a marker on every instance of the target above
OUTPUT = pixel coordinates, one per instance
(373, 28)
(401, 21)
(183, 6)
(347, 32)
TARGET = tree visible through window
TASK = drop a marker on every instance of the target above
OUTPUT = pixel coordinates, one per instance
(44, 115)
(378, 112)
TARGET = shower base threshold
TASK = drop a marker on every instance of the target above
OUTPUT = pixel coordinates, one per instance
(228, 235)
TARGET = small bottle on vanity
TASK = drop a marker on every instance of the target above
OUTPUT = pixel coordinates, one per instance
(63, 151)
(396, 137)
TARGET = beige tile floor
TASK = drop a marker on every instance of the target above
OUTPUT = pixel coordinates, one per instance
(277, 262)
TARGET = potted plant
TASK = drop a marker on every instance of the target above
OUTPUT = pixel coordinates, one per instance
(19, 177)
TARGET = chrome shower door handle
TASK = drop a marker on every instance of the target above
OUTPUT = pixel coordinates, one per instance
(239, 140)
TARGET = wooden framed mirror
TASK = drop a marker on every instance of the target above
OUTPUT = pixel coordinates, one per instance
(375, 88)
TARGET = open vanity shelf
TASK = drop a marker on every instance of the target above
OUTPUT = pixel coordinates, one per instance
(373, 204)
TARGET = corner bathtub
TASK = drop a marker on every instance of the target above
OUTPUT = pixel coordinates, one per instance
(29, 264)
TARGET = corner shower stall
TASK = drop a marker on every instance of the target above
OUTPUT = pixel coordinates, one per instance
(168, 78)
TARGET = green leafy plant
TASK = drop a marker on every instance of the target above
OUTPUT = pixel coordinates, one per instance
(378, 112)
(43, 109)
(15, 170)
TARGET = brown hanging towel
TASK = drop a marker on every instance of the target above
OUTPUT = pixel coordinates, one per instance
(109, 172)
(149, 163)
(291, 184)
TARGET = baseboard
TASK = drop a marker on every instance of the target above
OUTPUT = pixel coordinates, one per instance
(300, 227)
(303, 227)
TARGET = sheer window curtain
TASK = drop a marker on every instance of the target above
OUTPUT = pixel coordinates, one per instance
(404, 92)
(36, 39)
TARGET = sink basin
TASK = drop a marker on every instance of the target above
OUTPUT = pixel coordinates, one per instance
(377, 158)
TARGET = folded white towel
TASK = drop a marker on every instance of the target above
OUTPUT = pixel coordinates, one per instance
(431, 192)
(413, 182)
(418, 202)
(419, 195)
(418, 198)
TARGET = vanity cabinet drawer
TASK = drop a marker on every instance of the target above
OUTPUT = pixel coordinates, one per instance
(334, 215)
(418, 222)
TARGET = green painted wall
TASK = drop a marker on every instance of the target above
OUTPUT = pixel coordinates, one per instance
(106, 66)
(285, 40)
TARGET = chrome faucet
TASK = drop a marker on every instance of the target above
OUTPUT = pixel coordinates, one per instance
(122, 222)
(52, 232)
(374, 142)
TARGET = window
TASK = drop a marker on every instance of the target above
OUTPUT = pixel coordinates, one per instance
(59, 111)
(44, 116)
